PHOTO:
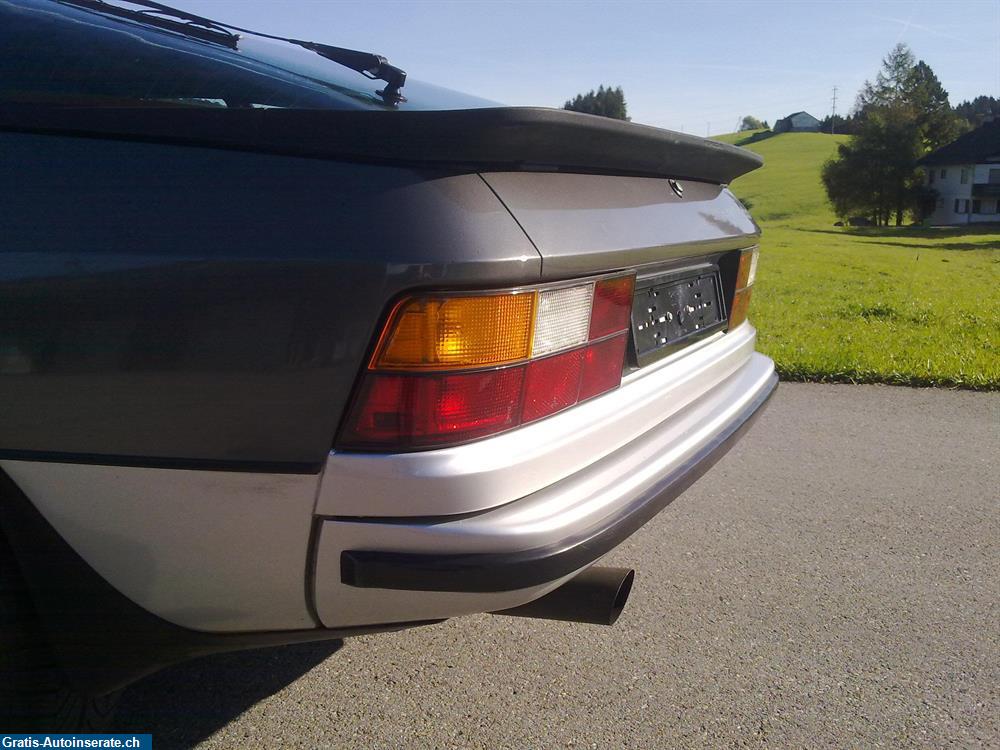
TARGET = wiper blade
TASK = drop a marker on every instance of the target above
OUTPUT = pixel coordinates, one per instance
(373, 66)
(177, 21)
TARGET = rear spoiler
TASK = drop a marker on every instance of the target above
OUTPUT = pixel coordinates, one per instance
(492, 139)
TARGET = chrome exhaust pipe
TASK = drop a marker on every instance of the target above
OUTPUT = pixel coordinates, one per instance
(596, 596)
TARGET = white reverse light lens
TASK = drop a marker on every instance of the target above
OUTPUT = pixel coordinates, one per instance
(753, 266)
(563, 319)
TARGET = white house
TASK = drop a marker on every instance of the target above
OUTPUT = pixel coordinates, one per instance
(966, 176)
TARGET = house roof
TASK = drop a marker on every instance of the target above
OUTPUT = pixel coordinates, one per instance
(973, 147)
(789, 117)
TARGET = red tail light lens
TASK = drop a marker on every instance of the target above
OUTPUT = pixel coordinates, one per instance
(602, 366)
(444, 403)
(612, 306)
(552, 384)
(408, 411)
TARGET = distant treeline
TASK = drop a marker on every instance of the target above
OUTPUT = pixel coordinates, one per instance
(606, 102)
(971, 113)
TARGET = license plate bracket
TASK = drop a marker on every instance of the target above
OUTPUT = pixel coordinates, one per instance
(670, 311)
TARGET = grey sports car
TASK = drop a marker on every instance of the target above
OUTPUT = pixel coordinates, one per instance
(293, 348)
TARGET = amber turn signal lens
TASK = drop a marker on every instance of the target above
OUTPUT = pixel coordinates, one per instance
(748, 268)
(435, 333)
(745, 276)
(741, 302)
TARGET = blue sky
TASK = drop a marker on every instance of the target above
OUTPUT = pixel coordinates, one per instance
(692, 66)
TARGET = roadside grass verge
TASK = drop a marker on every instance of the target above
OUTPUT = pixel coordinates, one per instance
(910, 306)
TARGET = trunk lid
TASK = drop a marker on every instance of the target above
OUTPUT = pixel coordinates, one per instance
(584, 224)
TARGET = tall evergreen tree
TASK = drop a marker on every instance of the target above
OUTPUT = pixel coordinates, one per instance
(892, 83)
(905, 83)
(935, 118)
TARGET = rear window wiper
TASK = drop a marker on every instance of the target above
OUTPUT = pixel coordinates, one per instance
(373, 66)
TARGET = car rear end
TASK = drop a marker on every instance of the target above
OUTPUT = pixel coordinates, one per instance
(532, 429)
(273, 374)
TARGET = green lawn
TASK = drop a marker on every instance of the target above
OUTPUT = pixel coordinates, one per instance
(909, 306)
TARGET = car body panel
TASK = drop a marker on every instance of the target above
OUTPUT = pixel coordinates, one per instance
(188, 306)
(208, 550)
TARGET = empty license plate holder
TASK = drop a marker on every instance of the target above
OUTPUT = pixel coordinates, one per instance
(671, 311)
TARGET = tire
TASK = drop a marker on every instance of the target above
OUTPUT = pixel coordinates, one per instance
(34, 696)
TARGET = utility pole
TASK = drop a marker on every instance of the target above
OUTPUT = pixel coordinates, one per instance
(833, 116)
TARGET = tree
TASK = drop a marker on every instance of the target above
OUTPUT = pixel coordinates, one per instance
(936, 119)
(606, 102)
(898, 118)
(851, 184)
(752, 123)
(907, 83)
(891, 83)
(874, 175)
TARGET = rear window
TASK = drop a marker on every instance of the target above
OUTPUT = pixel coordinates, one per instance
(56, 53)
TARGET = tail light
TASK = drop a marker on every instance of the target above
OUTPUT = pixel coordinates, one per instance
(449, 368)
(744, 286)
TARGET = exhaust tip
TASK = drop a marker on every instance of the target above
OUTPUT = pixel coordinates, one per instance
(596, 596)
(621, 597)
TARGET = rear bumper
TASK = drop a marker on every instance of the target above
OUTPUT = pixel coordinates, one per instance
(522, 569)
(488, 474)
(662, 430)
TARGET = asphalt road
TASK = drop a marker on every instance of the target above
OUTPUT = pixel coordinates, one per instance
(833, 582)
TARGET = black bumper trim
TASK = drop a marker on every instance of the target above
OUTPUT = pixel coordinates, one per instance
(509, 571)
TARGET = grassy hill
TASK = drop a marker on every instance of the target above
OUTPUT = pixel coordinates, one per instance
(910, 305)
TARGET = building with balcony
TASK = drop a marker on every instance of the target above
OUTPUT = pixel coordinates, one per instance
(966, 176)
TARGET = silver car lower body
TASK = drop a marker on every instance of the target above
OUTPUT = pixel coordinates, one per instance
(406, 537)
